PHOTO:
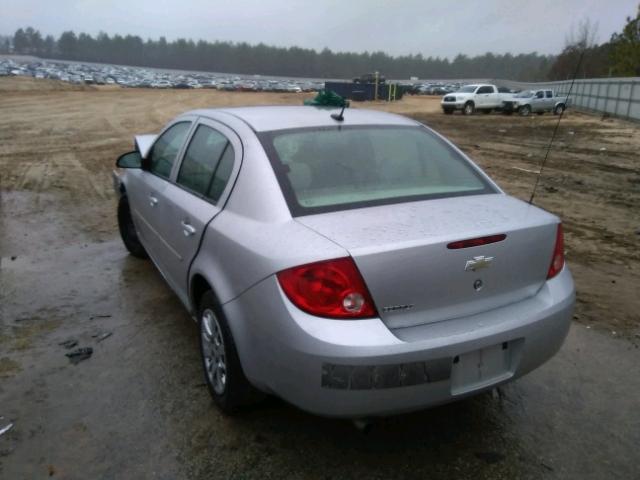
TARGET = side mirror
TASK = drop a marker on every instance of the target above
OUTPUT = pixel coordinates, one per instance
(129, 160)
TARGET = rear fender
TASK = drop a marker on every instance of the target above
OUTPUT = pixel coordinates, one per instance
(206, 265)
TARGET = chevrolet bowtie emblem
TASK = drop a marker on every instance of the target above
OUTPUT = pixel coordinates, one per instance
(477, 263)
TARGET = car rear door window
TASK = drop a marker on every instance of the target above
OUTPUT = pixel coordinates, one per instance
(207, 164)
(201, 159)
(166, 148)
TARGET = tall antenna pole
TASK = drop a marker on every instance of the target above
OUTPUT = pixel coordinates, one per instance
(555, 130)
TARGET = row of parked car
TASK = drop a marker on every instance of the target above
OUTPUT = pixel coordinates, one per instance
(89, 74)
(434, 88)
(456, 96)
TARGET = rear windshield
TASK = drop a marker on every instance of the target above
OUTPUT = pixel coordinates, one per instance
(339, 168)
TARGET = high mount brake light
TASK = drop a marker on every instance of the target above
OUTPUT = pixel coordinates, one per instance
(557, 262)
(476, 242)
(331, 288)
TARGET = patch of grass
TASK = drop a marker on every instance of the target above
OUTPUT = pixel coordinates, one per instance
(23, 335)
(8, 367)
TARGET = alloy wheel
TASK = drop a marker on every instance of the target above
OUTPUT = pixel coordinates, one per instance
(213, 350)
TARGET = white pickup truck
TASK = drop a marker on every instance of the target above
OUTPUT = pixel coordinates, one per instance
(482, 97)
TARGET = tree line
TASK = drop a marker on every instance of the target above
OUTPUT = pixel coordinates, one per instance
(619, 56)
(263, 59)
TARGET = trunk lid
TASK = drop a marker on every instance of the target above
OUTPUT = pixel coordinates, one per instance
(401, 251)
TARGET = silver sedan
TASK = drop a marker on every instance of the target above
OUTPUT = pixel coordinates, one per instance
(353, 265)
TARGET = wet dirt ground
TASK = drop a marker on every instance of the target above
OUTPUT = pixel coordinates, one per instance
(138, 407)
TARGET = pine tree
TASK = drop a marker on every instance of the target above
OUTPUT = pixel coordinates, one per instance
(625, 54)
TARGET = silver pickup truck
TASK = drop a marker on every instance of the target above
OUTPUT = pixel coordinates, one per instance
(535, 101)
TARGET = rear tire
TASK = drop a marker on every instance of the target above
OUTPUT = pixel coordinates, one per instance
(447, 111)
(469, 108)
(223, 373)
(486, 111)
(128, 230)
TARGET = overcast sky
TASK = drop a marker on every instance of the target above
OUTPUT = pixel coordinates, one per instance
(433, 28)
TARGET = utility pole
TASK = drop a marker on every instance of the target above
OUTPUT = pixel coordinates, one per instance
(375, 94)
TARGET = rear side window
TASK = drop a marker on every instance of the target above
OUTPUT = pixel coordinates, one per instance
(331, 169)
(166, 148)
(201, 159)
(222, 174)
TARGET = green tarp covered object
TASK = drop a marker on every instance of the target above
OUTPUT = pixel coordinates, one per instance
(327, 98)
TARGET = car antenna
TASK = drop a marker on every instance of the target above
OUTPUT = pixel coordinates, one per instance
(339, 116)
(555, 130)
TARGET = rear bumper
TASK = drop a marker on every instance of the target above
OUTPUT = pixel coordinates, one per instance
(360, 368)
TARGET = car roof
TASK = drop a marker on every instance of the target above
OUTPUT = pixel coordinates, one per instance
(268, 118)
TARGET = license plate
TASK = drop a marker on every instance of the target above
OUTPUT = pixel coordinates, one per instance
(482, 368)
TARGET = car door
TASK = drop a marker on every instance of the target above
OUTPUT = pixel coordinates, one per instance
(537, 102)
(484, 97)
(548, 100)
(493, 98)
(145, 186)
(201, 183)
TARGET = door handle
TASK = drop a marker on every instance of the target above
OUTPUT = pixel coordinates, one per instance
(153, 201)
(188, 229)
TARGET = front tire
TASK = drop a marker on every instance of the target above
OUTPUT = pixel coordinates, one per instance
(223, 373)
(558, 109)
(525, 110)
(469, 108)
(128, 230)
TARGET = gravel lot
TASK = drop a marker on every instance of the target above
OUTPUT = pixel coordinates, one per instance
(138, 407)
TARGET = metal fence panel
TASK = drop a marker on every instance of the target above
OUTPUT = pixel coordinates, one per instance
(616, 96)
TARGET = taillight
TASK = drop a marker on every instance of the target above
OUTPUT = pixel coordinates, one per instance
(557, 262)
(332, 288)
